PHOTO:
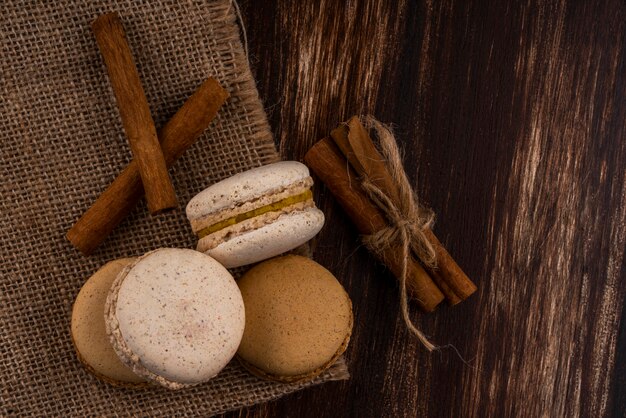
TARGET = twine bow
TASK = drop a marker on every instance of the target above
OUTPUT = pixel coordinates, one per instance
(407, 219)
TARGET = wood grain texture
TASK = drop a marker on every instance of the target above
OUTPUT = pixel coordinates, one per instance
(511, 117)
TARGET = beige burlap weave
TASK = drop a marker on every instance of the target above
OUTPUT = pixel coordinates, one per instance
(61, 144)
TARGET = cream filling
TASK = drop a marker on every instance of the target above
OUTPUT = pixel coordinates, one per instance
(200, 222)
(272, 207)
(213, 240)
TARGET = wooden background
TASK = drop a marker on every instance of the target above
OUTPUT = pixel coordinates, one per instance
(512, 118)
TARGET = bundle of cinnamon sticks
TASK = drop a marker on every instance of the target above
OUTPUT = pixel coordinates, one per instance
(343, 162)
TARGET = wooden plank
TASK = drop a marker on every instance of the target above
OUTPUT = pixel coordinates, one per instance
(511, 116)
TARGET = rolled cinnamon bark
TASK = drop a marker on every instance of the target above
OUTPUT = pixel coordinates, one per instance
(124, 193)
(135, 112)
(327, 162)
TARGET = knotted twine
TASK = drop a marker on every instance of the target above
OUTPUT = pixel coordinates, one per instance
(407, 219)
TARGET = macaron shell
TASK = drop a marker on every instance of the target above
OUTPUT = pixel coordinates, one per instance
(246, 186)
(88, 328)
(176, 316)
(289, 231)
(298, 318)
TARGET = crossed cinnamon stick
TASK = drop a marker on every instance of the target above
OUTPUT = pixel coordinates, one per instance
(178, 134)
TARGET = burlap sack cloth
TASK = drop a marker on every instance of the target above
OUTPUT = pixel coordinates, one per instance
(61, 145)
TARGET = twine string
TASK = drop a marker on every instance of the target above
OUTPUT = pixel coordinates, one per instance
(407, 219)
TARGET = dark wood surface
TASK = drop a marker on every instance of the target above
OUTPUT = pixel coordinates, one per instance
(512, 117)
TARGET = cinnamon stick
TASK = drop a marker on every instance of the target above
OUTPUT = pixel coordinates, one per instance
(450, 271)
(357, 146)
(135, 112)
(124, 193)
(327, 162)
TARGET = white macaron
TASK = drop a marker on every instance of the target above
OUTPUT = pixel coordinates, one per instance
(175, 317)
(255, 215)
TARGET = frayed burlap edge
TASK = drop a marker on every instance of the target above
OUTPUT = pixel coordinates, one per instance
(62, 144)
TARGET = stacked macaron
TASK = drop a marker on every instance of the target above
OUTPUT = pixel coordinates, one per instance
(255, 215)
(176, 317)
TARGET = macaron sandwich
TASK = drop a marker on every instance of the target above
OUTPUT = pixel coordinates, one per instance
(298, 319)
(256, 214)
(89, 331)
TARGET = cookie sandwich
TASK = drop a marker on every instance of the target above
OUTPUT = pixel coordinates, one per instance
(255, 215)
(88, 330)
(298, 319)
(175, 317)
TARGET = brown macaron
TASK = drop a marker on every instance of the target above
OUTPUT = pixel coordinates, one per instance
(89, 336)
(298, 319)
